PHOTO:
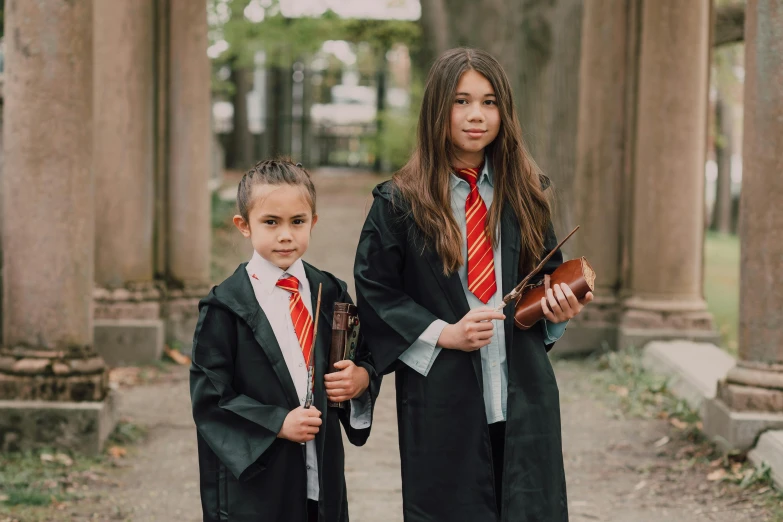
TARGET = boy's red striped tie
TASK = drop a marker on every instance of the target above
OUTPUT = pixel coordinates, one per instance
(481, 265)
(303, 323)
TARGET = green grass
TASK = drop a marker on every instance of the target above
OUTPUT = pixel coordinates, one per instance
(721, 285)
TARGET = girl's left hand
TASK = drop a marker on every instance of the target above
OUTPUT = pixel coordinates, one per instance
(348, 383)
(560, 303)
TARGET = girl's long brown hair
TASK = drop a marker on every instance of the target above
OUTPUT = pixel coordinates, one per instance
(424, 181)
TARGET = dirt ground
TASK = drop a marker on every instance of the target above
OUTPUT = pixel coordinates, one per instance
(619, 469)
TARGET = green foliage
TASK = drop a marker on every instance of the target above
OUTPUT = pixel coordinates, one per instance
(721, 285)
(222, 212)
(127, 432)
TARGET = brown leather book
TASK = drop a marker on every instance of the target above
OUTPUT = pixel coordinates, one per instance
(345, 337)
(577, 273)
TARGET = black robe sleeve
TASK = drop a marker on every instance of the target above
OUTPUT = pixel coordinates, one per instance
(237, 428)
(550, 242)
(363, 358)
(391, 320)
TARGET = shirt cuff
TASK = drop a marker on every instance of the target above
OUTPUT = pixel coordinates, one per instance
(554, 331)
(361, 411)
(422, 353)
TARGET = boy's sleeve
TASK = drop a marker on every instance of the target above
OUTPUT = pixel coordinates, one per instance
(356, 418)
(238, 429)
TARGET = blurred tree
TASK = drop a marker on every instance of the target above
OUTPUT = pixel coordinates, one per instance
(242, 28)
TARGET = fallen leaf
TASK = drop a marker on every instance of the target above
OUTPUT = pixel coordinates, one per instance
(640, 485)
(63, 459)
(663, 441)
(117, 452)
(46, 457)
(718, 474)
(677, 423)
(177, 356)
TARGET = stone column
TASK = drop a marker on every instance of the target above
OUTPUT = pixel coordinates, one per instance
(128, 328)
(750, 400)
(665, 272)
(50, 374)
(606, 98)
(189, 137)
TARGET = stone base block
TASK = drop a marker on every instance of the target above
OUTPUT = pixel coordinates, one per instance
(638, 337)
(124, 342)
(82, 427)
(587, 337)
(733, 430)
(770, 450)
(693, 369)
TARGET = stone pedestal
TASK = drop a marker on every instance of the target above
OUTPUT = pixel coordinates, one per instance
(180, 311)
(751, 395)
(663, 283)
(82, 427)
(48, 220)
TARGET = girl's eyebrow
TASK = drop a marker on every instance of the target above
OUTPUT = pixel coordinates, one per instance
(468, 94)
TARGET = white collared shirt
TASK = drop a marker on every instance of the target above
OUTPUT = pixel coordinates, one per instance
(274, 302)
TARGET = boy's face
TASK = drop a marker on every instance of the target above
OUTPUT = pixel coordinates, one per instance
(475, 118)
(279, 223)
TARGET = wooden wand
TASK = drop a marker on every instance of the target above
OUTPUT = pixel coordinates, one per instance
(311, 362)
(517, 291)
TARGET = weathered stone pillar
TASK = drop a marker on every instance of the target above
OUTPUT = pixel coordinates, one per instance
(128, 328)
(606, 98)
(750, 400)
(189, 128)
(665, 271)
(50, 375)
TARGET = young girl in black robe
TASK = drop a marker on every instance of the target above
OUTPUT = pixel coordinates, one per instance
(262, 455)
(454, 230)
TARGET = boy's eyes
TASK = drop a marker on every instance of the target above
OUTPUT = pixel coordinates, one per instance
(274, 222)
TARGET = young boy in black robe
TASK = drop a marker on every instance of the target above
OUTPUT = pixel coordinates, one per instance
(262, 455)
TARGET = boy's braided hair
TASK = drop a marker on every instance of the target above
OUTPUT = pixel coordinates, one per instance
(273, 172)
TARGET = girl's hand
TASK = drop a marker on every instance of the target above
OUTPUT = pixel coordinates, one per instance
(472, 332)
(301, 424)
(348, 383)
(560, 303)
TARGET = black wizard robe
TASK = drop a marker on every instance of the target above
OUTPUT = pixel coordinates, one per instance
(445, 451)
(241, 392)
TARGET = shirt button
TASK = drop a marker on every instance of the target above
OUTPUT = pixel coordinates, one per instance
(308, 467)
(301, 364)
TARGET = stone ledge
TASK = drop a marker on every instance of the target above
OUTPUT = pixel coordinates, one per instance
(124, 342)
(82, 427)
(733, 430)
(770, 450)
(628, 337)
(693, 369)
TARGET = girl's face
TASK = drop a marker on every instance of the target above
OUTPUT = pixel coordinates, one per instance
(475, 119)
(280, 222)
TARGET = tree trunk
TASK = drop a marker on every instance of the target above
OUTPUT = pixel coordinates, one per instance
(242, 150)
(721, 213)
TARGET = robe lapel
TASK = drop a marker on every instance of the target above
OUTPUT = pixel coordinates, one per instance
(245, 305)
(455, 295)
(509, 253)
(451, 285)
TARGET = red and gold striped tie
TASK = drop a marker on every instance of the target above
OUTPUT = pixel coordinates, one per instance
(481, 265)
(303, 323)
